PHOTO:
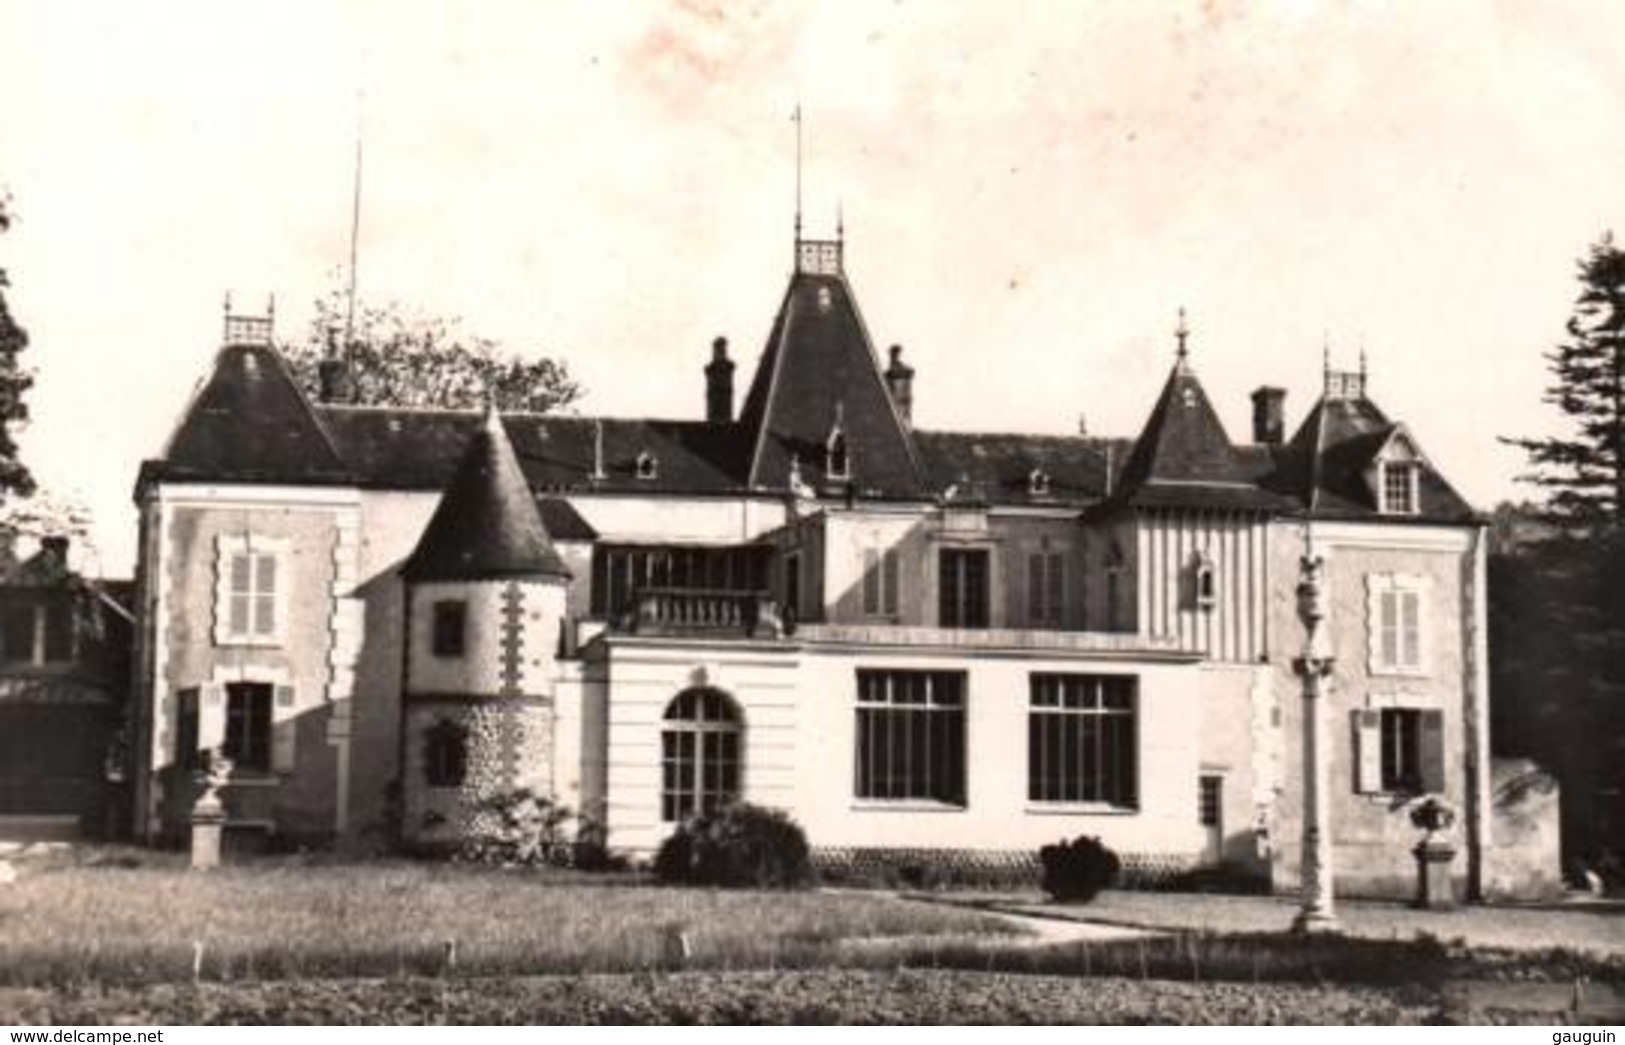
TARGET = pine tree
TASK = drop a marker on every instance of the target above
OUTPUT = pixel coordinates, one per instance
(15, 480)
(1585, 473)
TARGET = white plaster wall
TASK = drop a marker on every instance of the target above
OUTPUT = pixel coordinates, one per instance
(480, 670)
(800, 713)
(643, 677)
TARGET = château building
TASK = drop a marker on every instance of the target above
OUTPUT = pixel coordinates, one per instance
(913, 641)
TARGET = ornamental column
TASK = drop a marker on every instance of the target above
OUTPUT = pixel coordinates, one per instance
(1316, 912)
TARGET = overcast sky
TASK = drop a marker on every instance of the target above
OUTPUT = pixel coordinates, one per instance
(1031, 192)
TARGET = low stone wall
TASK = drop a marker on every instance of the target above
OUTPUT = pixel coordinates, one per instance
(1524, 859)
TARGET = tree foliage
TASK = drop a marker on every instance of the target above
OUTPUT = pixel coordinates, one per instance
(15, 479)
(1584, 472)
(400, 359)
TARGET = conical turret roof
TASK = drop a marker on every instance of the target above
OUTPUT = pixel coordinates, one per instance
(487, 524)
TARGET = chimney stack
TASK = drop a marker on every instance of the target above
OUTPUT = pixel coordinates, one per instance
(1269, 416)
(54, 553)
(900, 381)
(719, 384)
(333, 374)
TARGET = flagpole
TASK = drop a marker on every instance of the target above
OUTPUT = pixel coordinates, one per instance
(355, 234)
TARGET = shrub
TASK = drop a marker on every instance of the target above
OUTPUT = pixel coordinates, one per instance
(1076, 871)
(740, 845)
(522, 828)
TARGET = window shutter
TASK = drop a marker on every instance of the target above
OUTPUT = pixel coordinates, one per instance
(1057, 588)
(1411, 628)
(1389, 656)
(1431, 744)
(1367, 751)
(888, 585)
(871, 581)
(1035, 588)
(284, 730)
(211, 717)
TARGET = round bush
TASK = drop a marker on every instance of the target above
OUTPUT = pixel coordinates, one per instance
(738, 846)
(1076, 871)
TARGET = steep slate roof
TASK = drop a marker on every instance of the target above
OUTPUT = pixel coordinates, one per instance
(1184, 458)
(1324, 464)
(487, 524)
(997, 467)
(250, 422)
(417, 449)
(818, 363)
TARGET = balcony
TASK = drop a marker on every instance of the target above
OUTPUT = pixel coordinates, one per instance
(712, 612)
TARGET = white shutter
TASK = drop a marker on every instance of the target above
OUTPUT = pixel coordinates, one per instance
(1367, 751)
(1389, 630)
(1410, 603)
(284, 729)
(211, 717)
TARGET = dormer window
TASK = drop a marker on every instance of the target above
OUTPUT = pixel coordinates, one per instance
(648, 466)
(837, 463)
(1038, 483)
(1399, 479)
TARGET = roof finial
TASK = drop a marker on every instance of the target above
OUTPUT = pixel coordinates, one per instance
(1182, 332)
(1325, 353)
(840, 221)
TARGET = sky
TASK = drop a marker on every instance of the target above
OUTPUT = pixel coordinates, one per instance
(1030, 191)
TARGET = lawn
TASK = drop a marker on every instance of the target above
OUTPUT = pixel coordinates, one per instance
(288, 919)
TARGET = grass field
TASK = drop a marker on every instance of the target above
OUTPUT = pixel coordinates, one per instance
(288, 941)
(279, 920)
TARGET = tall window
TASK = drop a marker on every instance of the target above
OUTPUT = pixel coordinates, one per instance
(880, 582)
(248, 725)
(450, 627)
(699, 754)
(1046, 589)
(1397, 623)
(962, 588)
(1399, 487)
(1401, 750)
(911, 735)
(248, 591)
(445, 754)
(1081, 742)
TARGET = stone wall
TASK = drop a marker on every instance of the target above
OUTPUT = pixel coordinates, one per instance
(1524, 861)
(510, 746)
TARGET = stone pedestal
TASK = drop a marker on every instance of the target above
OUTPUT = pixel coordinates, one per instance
(1434, 890)
(207, 827)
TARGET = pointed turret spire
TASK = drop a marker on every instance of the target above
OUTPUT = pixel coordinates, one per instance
(487, 524)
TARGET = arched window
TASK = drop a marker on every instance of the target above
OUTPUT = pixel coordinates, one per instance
(1204, 588)
(445, 754)
(699, 754)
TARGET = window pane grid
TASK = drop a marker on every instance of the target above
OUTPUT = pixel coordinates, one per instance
(700, 754)
(1081, 740)
(911, 736)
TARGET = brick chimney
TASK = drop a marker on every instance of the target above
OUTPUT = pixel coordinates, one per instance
(719, 384)
(900, 380)
(1269, 415)
(337, 383)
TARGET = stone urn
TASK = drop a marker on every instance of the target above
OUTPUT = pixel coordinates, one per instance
(209, 813)
(1434, 853)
